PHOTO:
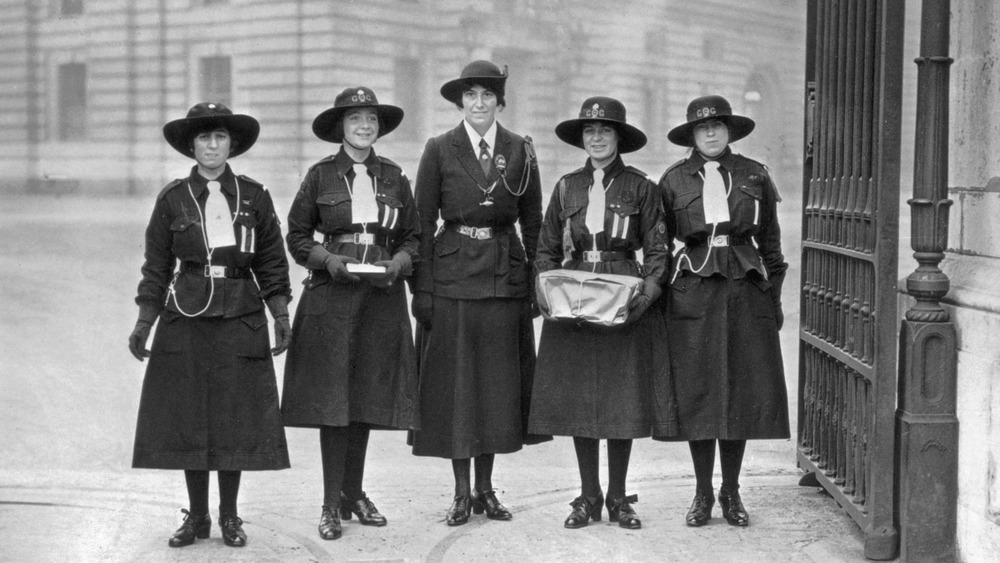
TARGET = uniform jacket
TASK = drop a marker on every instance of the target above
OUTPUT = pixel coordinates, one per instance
(753, 226)
(449, 187)
(323, 204)
(175, 234)
(633, 220)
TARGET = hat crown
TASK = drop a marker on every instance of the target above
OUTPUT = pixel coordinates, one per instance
(708, 107)
(483, 69)
(603, 108)
(359, 96)
(208, 109)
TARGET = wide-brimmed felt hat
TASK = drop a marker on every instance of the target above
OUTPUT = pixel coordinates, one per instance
(484, 73)
(706, 108)
(327, 125)
(243, 129)
(604, 110)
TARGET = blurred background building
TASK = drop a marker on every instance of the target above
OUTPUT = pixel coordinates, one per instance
(88, 84)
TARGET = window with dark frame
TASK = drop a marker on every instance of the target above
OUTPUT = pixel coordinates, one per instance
(72, 102)
(70, 7)
(407, 78)
(215, 75)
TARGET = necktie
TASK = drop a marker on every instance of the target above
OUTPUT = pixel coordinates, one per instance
(713, 195)
(484, 157)
(218, 219)
(596, 205)
(364, 208)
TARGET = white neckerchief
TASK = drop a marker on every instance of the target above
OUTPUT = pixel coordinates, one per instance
(596, 204)
(714, 195)
(474, 137)
(218, 218)
(364, 208)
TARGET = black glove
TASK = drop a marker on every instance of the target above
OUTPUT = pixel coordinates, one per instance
(320, 259)
(776, 283)
(140, 334)
(423, 308)
(400, 265)
(650, 292)
(278, 305)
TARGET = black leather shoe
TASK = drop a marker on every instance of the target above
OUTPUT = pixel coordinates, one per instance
(232, 530)
(584, 510)
(701, 509)
(620, 510)
(329, 524)
(364, 508)
(458, 514)
(487, 502)
(194, 526)
(732, 508)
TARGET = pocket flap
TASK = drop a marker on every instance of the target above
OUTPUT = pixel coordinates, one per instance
(182, 223)
(389, 200)
(569, 212)
(333, 198)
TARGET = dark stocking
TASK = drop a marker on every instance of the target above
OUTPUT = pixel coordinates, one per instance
(354, 465)
(484, 472)
(587, 458)
(731, 454)
(619, 452)
(462, 468)
(333, 451)
(229, 490)
(197, 486)
(703, 456)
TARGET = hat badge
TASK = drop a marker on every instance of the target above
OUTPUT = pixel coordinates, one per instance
(361, 96)
(706, 112)
(595, 111)
(211, 106)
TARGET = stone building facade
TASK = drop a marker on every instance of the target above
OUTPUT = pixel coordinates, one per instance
(88, 84)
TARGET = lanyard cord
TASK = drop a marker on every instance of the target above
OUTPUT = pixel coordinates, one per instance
(684, 255)
(208, 253)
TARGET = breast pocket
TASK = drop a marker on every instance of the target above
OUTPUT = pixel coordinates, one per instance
(688, 213)
(334, 211)
(246, 232)
(187, 238)
(624, 220)
(746, 210)
(391, 206)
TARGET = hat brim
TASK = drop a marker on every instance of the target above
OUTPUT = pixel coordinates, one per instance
(630, 139)
(243, 131)
(325, 124)
(453, 89)
(739, 127)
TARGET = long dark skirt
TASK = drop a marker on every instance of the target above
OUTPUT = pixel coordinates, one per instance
(470, 379)
(209, 400)
(601, 382)
(351, 358)
(726, 359)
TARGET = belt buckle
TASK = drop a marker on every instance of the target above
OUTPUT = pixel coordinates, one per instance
(720, 240)
(364, 238)
(480, 233)
(215, 271)
(591, 255)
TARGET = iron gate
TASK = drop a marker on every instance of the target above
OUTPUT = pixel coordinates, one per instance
(847, 336)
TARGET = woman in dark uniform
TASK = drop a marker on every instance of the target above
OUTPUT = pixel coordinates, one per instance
(724, 308)
(597, 382)
(351, 365)
(209, 400)
(471, 290)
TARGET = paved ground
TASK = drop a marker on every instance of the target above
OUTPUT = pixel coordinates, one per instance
(67, 409)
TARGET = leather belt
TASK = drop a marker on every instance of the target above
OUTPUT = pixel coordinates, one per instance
(725, 240)
(213, 271)
(479, 233)
(356, 238)
(602, 256)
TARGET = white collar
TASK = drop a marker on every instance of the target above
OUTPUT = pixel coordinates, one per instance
(490, 136)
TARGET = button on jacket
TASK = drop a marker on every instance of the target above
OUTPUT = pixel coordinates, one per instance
(449, 187)
(175, 234)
